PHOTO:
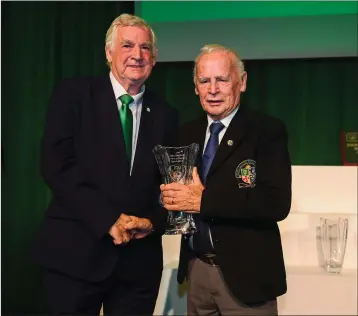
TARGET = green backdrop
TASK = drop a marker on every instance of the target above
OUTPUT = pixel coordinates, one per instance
(176, 11)
(43, 42)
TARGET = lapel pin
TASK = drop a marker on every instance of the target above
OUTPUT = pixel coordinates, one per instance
(148, 109)
(230, 142)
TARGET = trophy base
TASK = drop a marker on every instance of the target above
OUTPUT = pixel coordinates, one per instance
(334, 269)
(180, 230)
(180, 223)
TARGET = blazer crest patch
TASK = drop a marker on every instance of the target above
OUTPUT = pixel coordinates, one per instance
(245, 173)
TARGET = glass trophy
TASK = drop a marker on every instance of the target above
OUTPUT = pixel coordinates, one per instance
(333, 240)
(176, 165)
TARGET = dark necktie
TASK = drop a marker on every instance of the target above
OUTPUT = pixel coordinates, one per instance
(201, 239)
(127, 123)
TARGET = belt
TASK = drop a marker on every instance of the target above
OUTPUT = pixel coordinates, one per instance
(209, 258)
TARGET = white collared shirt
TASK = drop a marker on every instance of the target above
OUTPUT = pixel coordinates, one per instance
(135, 107)
(225, 121)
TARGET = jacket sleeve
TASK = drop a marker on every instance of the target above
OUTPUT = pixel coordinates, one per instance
(270, 199)
(71, 186)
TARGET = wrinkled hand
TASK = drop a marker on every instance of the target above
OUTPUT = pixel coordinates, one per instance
(139, 227)
(128, 227)
(118, 232)
(185, 198)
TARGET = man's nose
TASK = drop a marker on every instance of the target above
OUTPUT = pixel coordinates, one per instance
(137, 53)
(213, 89)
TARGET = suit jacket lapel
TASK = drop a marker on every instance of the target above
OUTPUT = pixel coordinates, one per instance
(231, 140)
(108, 116)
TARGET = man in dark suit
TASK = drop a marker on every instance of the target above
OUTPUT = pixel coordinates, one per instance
(101, 239)
(234, 263)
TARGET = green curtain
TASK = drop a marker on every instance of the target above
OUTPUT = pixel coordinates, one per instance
(42, 42)
(317, 98)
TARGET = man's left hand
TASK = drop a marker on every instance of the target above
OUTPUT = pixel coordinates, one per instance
(138, 227)
(184, 198)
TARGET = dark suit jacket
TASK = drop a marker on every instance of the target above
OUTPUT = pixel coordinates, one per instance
(243, 220)
(84, 163)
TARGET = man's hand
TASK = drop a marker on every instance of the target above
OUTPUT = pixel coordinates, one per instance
(139, 227)
(130, 227)
(185, 198)
(118, 232)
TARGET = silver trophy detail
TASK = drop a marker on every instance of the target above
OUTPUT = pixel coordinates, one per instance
(176, 165)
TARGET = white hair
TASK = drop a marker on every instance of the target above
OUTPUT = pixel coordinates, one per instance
(207, 49)
(128, 20)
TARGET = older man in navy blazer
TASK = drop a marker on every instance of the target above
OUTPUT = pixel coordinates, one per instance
(234, 263)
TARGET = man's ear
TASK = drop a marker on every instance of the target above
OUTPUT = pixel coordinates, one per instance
(155, 57)
(108, 54)
(243, 82)
(196, 91)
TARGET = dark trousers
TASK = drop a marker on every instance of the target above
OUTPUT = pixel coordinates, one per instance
(119, 295)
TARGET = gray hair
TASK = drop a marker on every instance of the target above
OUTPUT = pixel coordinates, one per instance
(207, 49)
(128, 20)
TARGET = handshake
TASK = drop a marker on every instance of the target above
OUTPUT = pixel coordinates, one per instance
(128, 227)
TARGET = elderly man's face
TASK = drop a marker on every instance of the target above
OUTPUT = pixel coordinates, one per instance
(131, 58)
(218, 84)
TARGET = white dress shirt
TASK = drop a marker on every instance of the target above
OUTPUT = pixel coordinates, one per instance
(225, 121)
(135, 107)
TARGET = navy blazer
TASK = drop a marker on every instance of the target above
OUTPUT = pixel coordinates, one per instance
(242, 208)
